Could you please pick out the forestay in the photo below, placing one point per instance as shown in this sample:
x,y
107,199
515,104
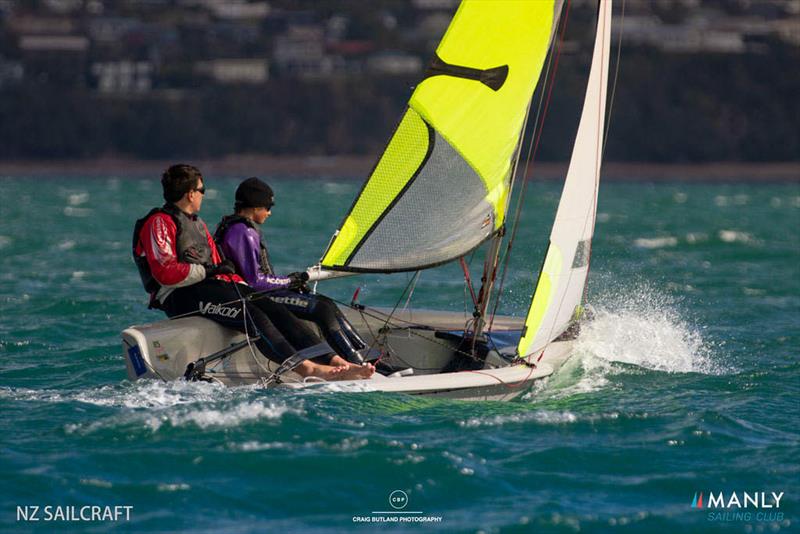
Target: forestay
x,y
559,290
441,185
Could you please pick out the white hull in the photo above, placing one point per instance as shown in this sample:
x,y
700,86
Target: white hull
x,y
162,350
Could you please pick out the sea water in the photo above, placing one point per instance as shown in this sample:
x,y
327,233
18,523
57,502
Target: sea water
x,y
686,384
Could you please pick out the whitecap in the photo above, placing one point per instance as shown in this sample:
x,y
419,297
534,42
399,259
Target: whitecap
x,y
680,197
96,482
337,187
545,417
76,199
255,446
4,241
67,244
174,487
224,417
71,211
753,292
732,236
656,242
693,238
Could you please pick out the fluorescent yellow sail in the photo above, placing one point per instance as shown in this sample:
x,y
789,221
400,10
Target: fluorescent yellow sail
x,y
441,185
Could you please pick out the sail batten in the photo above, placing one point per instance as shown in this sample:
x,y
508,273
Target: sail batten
x,y
441,186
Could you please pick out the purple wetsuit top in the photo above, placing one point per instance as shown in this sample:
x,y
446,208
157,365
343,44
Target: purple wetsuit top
x,y
242,245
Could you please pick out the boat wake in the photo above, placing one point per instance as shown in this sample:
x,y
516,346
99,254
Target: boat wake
x,y
151,405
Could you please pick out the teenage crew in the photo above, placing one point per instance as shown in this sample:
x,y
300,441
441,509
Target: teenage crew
x,y
239,237
183,272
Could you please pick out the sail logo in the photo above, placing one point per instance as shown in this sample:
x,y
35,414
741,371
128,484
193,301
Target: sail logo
x,y
218,309
761,506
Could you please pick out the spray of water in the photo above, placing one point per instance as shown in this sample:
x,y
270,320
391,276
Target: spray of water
x,y
644,327
635,330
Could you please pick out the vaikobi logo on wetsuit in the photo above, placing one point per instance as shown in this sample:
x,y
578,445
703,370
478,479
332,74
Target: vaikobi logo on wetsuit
x,y
210,308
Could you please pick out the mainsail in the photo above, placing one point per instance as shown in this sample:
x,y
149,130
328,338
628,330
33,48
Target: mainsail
x,y
559,290
441,185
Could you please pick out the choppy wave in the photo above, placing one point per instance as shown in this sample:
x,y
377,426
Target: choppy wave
x,y
656,242
694,238
733,236
546,417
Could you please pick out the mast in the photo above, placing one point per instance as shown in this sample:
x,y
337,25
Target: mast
x,y
491,263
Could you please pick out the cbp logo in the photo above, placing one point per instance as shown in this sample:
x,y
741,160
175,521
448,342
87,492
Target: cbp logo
x,y
398,499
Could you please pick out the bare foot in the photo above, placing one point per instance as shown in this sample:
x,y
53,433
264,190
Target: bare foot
x,y
351,372
343,372
338,361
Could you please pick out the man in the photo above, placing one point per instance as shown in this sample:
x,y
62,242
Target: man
x,y
182,270
240,240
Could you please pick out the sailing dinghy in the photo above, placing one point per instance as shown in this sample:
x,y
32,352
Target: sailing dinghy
x,y
440,190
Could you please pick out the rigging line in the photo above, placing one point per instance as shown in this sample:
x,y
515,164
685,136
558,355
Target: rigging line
x,y
533,148
375,341
466,284
413,287
391,314
468,281
246,333
600,150
616,75
511,182
597,162
375,314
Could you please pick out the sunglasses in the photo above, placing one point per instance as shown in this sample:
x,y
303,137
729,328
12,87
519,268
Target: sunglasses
x,y
201,190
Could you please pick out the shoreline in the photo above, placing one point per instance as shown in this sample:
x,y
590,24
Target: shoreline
x,y
358,167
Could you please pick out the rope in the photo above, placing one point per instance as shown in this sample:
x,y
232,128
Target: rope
x,y
468,281
616,75
413,287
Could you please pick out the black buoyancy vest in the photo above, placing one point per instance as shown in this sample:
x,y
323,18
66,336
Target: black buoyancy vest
x,y
228,221
191,243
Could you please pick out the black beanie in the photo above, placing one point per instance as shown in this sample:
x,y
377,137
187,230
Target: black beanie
x,y
253,193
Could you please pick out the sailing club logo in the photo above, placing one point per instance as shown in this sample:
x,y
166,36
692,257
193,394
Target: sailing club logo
x,y
760,506
218,309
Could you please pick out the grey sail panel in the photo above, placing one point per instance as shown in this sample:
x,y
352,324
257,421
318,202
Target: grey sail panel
x,y
442,214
